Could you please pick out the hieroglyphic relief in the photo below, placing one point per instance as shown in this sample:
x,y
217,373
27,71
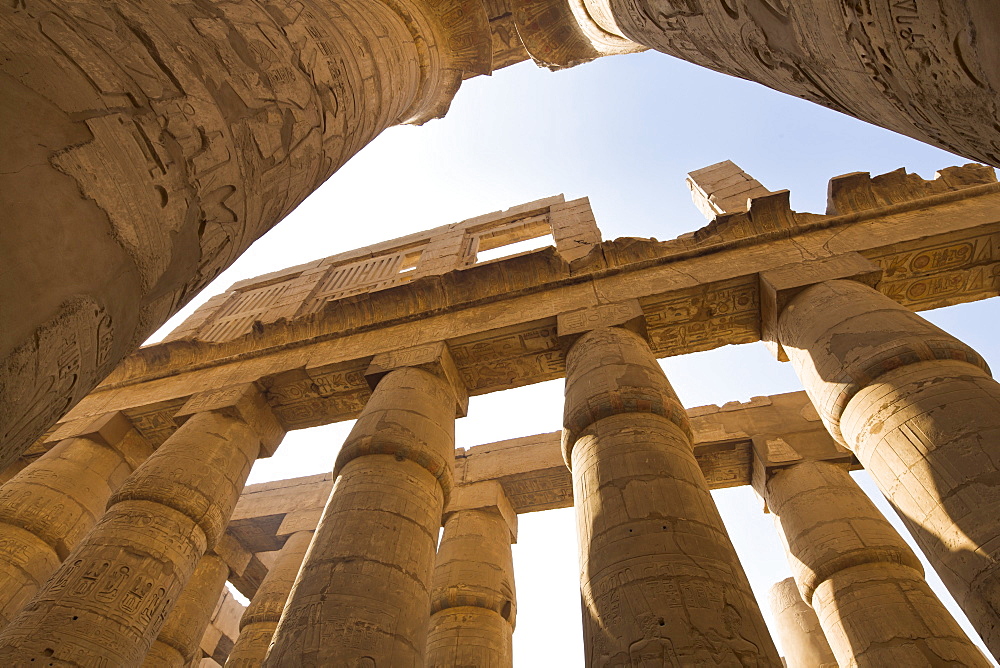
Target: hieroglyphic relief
x,y
309,398
961,268
539,490
512,357
703,318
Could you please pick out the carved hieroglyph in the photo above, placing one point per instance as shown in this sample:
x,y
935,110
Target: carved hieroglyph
x,y
928,70
659,579
797,628
155,141
921,412
362,597
108,601
865,584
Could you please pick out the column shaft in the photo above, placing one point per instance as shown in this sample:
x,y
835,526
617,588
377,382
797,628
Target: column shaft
x,y
660,581
863,581
157,139
260,619
472,601
798,629
362,597
180,638
868,60
47,508
922,414
111,596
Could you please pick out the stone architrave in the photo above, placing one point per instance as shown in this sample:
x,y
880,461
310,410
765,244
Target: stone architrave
x,y
922,414
47,508
660,581
180,638
798,628
108,601
362,596
865,584
157,140
473,605
260,619
926,70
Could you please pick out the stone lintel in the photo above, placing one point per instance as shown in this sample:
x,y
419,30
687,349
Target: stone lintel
x,y
433,357
244,401
484,495
234,553
780,285
626,314
109,428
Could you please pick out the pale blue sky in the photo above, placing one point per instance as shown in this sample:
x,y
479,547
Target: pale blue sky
x,y
624,131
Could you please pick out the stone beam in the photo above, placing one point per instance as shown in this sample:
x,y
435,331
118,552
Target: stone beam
x,y
534,476
934,242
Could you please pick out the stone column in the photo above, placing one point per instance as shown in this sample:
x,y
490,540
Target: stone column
x,y
925,70
260,619
857,573
107,602
362,597
473,606
180,637
51,504
798,629
660,581
149,143
921,413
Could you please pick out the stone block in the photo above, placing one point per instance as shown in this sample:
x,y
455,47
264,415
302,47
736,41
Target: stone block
x,y
432,357
244,401
778,286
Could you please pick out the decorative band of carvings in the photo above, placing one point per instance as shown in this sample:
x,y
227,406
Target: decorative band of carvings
x,y
415,452
496,604
932,351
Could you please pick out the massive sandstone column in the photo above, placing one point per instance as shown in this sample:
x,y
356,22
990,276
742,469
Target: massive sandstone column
x,y
660,581
179,639
47,508
473,605
922,414
107,602
865,584
147,144
798,629
362,596
260,619
928,70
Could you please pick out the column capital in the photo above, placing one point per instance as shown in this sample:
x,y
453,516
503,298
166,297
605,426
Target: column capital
x,y
434,358
779,286
485,495
773,452
571,325
243,401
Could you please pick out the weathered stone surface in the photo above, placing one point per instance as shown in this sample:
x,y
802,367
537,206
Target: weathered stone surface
x,y
857,573
798,628
166,137
223,629
922,414
110,598
261,617
363,594
660,582
925,70
723,188
936,243
47,508
179,641
473,606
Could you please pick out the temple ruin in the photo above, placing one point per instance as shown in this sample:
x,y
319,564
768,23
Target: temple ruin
x,y
122,523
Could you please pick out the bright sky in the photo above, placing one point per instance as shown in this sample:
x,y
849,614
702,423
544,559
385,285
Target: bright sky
x,y
623,131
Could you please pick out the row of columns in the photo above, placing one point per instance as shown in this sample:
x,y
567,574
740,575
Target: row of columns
x,y
660,581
